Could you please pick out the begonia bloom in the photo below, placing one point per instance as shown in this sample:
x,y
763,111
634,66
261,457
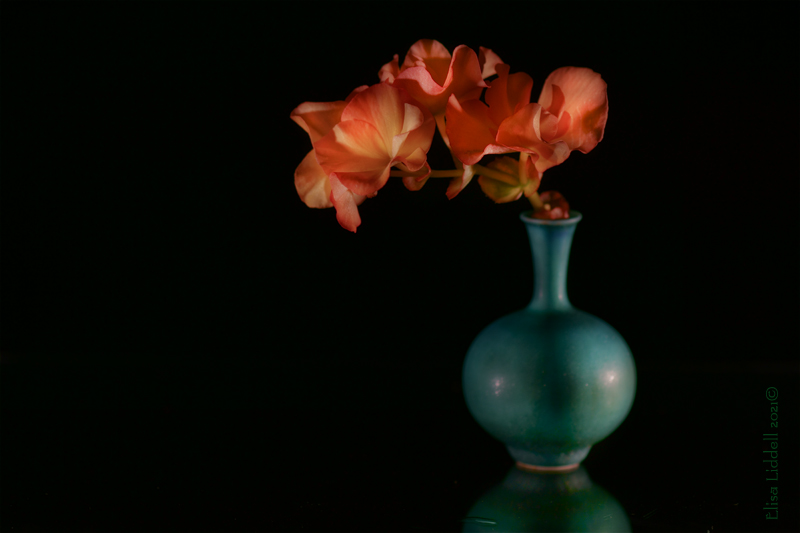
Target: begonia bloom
x,y
570,115
431,74
380,127
576,105
311,181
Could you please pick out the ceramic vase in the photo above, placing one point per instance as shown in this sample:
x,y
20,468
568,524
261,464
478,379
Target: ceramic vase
x,y
549,380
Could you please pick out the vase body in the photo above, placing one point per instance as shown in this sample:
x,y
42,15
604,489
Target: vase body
x,y
549,380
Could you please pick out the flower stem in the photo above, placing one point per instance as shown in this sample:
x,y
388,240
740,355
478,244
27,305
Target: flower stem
x,y
535,201
523,168
455,173
493,174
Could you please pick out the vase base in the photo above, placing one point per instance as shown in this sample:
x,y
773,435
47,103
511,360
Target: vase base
x,y
535,468
558,460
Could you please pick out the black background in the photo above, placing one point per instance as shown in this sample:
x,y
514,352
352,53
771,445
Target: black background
x,y
187,347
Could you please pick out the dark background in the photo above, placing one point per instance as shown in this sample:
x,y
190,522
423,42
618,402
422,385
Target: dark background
x,y
185,346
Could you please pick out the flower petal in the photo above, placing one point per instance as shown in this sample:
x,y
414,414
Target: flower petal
x,y
508,93
415,183
521,131
390,70
355,151
488,60
380,105
411,145
432,55
584,97
471,131
346,204
354,92
463,79
312,183
318,118
414,161
352,146
457,185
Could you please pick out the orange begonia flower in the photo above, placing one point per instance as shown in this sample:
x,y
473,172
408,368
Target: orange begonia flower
x,y
356,142
317,119
576,105
571,115
430,74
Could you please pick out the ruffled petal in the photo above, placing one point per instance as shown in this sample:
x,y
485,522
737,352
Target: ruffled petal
x,y
355,150
521,132
354,92
352,146
422,78
470,131
390,70
488,60
380,105
318,118
312,183
464,79
508,93
415,183
366,183
414,161
346,204
411,145
432,55
457,185
582,94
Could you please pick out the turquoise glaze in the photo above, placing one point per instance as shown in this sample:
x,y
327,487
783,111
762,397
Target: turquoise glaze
x,y
549,381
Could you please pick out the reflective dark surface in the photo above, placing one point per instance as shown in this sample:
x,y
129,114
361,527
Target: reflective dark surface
x,y
217,448
184,346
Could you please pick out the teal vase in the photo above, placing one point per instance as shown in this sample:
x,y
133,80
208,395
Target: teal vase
x,y
549,380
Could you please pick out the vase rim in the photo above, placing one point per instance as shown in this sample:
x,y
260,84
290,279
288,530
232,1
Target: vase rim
x,y
574,218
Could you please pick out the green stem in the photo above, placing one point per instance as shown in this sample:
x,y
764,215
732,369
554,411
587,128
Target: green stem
x,y
523,168
535,201
494,174
434,173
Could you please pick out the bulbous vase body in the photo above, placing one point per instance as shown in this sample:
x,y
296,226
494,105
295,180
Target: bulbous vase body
x,y
549,381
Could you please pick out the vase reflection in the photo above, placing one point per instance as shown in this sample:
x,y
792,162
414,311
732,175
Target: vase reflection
x,y
539,501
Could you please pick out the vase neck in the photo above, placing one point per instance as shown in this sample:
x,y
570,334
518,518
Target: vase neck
x,y
550,243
